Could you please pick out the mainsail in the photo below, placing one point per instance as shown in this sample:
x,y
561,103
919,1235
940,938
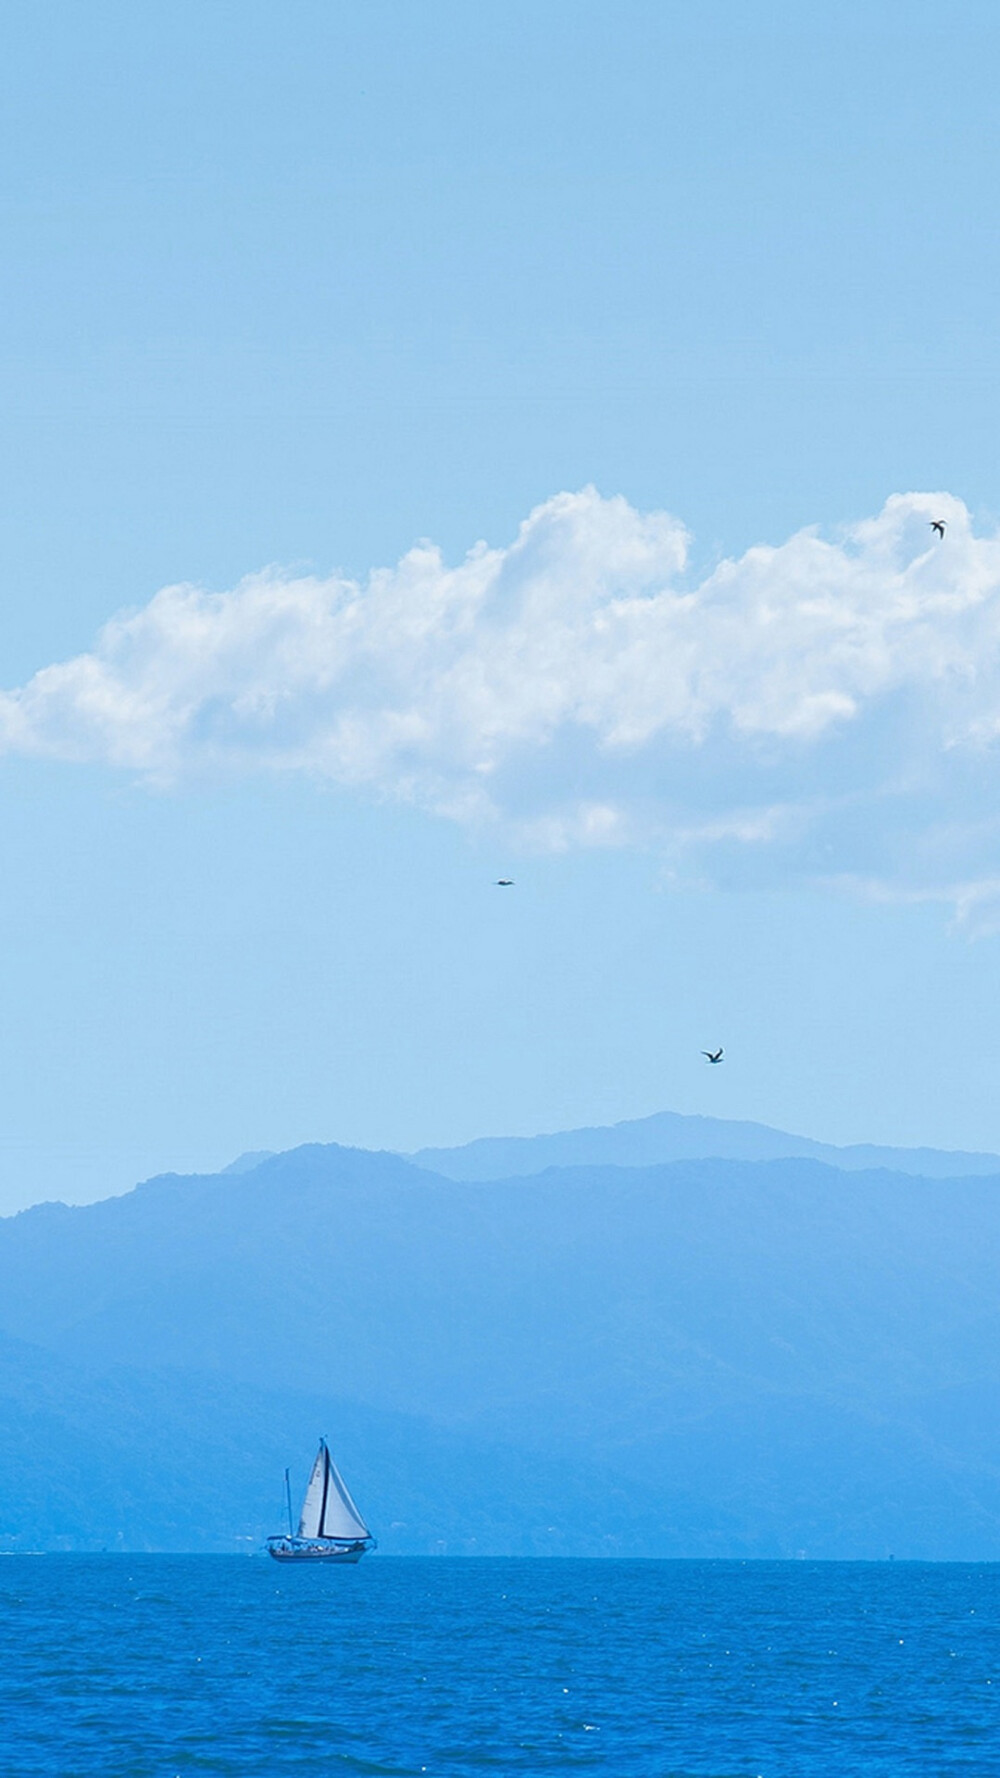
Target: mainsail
x,y
328,1510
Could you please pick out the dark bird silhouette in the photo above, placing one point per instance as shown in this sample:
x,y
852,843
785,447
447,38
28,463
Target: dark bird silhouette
x,y
504,883
713,1055
938,525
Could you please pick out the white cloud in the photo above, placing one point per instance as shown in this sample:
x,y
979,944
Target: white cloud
x,y
828,706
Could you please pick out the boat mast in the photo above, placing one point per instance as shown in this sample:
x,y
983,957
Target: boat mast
x,y
326,1487
288,1503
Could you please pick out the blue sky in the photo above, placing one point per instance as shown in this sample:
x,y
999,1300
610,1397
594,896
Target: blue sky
x,y
290,291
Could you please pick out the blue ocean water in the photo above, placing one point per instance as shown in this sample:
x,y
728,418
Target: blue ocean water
x,y
156,1666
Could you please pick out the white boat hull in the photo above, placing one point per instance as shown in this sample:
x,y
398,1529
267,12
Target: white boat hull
x,y
301,1549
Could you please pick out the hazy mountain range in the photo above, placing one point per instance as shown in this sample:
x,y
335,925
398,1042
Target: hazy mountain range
x,y
713,1355
669,1136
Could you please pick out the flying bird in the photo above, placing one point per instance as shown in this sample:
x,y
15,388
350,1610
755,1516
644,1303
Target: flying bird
x,y
504,883
938,525
713,1055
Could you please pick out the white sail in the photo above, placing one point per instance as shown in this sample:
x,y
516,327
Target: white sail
x,y
328,1510
342,1518
312,1505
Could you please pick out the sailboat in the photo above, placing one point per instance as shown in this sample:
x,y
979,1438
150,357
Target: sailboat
x,y
331,1528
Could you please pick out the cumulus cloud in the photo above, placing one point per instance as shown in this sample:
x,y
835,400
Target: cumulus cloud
x,y
827,706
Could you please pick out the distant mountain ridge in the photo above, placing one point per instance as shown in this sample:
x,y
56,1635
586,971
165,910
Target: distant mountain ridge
x,y
671,1136
709,1357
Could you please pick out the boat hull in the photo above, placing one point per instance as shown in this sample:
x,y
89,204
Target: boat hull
x,y
294,1549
